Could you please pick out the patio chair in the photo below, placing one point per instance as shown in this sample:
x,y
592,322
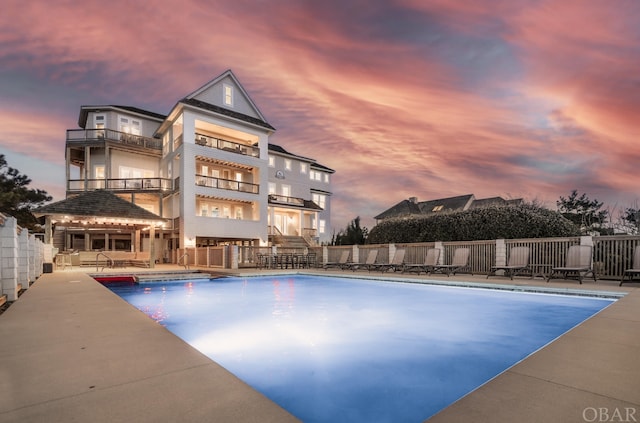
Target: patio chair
x,y
518,262
342,262
578,262
368,263
396,263
430,261
635,267
460,262
307,261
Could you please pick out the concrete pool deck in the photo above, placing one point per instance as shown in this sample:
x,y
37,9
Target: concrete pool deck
x,y
72,351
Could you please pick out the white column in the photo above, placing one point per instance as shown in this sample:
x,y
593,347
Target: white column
x,y
392,252
33,259
439,246
300,223
9,258
23,259
152,246
501,254
233,256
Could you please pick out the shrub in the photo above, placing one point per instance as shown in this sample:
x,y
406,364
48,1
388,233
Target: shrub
x,y
494,222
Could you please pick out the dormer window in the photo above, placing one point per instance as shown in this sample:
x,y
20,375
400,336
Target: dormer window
x,y
228,95
437,208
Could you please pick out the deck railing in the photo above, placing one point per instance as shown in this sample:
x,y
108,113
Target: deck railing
x,y
611,254
283,199
121,184
228,184
226,145
85,135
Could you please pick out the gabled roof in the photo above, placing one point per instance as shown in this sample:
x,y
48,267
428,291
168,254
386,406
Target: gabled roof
x,y
99,203
403,208
201,93
230,113
494,201
84,112
461,202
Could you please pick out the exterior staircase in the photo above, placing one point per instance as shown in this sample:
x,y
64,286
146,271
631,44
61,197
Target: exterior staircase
x,y
286,241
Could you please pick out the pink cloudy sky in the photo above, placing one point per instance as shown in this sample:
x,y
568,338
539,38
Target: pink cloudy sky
x,y
424,98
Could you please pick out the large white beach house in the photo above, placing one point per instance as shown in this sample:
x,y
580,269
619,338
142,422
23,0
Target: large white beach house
x,y
207,168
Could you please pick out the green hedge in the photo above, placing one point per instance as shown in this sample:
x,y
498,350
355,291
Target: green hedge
x,y
508,222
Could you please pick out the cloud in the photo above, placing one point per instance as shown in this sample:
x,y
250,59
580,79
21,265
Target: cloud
x,y
403,98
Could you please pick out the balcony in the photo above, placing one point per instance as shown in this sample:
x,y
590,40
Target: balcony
x,y
283,199
80,136
228,184
126,184
225,145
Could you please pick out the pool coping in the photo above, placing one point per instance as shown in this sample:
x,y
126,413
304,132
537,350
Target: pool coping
x,y
591,369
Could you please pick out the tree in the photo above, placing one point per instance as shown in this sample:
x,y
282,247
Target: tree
x,y
630,220
16,199
584,212
352,235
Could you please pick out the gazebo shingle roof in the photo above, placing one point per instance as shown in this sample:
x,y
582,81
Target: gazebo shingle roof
x,y
99,203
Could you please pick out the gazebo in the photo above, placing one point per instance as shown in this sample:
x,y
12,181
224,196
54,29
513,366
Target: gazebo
x,y
100,210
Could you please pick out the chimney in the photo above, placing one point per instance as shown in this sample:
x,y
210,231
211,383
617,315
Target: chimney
x,y
413,200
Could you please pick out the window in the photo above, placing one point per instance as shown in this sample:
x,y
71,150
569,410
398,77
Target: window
x,y
204,208
100,124
303,168
129,126
165,144
321,226
287,164
326,177
99,121
98,172
239,213
286,190
437,208
272,187
177,129
319,199
228,95
272,161
315,175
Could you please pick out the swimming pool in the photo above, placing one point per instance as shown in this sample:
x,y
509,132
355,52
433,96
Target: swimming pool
x,y
330,349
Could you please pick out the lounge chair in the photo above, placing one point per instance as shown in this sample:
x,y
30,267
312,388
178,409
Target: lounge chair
x,y
430,261
518,262
578,262
460,262
635,267
367,264
396,264
342,262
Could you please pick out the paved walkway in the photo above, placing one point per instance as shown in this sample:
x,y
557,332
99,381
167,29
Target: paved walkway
x,y
72,351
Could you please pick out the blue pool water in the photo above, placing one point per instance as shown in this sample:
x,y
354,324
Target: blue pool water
x,y
343,350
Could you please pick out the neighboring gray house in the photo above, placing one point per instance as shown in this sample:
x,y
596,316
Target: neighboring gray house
x,y
412,206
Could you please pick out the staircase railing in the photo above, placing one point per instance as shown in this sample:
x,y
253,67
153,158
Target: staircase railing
x,y
186,262
109,260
